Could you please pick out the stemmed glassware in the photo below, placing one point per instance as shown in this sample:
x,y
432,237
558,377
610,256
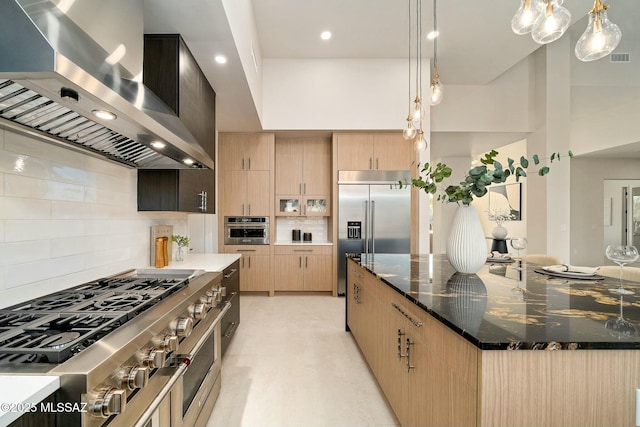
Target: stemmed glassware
x,y
622,255
519,243
620,327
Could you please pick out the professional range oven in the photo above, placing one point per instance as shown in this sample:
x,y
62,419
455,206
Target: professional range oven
x,y
139,349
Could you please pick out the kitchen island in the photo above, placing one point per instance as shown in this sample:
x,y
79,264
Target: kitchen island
x,y
500,348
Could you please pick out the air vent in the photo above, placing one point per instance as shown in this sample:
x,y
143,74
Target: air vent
x,y
620,57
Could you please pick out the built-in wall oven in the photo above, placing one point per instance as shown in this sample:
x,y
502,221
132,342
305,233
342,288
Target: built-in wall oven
x,y
246,230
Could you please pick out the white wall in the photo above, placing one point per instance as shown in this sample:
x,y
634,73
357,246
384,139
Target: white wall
x,y
335,94
504,105
66,218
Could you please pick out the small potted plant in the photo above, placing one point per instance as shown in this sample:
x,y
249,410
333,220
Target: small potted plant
x,y
182,242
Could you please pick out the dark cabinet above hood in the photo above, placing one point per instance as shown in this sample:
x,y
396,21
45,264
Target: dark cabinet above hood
x,y
54,78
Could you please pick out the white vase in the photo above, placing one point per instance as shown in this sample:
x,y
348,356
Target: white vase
x,y
499,232
466,246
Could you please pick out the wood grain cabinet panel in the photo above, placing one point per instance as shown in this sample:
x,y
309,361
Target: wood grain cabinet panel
x,y
303,268
303,177
378,151
245,151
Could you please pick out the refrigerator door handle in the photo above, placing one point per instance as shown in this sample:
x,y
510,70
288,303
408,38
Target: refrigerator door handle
x,y
366,227
373,223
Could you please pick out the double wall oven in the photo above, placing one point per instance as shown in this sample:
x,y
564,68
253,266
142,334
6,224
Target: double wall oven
x,y
139,349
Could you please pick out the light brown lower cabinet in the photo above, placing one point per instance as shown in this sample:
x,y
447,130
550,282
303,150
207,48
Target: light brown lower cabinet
x,y
303,268
255,267
432,376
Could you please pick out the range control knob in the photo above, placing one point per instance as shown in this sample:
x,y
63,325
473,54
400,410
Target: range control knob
x,y
183,327
135,376
154,358
217,293
198,310
109,402
207,299
170,343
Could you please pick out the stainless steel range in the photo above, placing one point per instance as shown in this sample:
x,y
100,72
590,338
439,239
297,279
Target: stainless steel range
x,y
141,348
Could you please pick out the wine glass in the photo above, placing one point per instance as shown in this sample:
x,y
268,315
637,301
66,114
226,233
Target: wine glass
x,y
622,255
620,327
519,243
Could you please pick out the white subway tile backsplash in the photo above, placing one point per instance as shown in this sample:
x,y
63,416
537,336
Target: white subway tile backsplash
x,y
72,175
19,208
316,226
23,252
22,144
22,274
67,218
21,164
22,186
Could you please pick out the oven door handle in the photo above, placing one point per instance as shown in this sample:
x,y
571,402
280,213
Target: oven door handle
x,y
148,413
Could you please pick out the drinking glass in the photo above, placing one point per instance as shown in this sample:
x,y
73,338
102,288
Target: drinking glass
x,y
622,255
620,327
519,243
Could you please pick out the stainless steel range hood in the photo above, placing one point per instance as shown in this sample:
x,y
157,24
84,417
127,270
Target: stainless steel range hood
x,y
47,61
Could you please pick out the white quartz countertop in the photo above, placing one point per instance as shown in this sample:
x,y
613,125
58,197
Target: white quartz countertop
x,y
206,262
23,393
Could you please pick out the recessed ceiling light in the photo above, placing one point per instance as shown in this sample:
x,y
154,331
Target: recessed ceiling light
x,y
326,35
433,34
220,59
158,144
104,114
188,161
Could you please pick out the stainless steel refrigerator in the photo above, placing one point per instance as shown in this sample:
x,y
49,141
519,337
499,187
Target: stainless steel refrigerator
x,y
374,215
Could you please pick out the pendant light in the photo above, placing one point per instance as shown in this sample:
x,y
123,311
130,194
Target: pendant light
x,y
601,36
552,22
437,89
417,110
525,16
410,131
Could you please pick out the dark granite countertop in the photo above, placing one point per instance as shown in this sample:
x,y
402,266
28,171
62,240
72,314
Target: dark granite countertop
x,y
501,308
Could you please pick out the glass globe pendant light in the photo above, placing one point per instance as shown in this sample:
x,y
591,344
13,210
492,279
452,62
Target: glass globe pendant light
x,y
409,132
525,16
420,143
601,36
437,89
552,22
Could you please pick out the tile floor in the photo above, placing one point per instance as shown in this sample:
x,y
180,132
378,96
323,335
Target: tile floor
x,y
291,364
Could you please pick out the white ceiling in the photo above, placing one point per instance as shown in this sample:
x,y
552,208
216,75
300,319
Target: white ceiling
x,y
476,43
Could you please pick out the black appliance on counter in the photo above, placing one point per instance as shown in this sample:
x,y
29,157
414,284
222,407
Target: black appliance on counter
x,y
142,348
231,295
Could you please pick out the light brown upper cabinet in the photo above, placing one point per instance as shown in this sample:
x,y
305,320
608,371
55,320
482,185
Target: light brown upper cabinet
x,y
245,188
245,151
303,177
378,151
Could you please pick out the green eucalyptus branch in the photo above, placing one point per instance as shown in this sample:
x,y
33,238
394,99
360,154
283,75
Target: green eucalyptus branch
x,y
477,179
180,240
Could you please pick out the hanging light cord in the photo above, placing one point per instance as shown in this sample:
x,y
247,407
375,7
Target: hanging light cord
x,y
409,57
435,39
418,31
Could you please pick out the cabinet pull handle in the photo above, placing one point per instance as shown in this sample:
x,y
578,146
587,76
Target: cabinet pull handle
x,y
203,201
400,335
300,188
243,163
306,262
249,213
245,250
405,314
409,365
249,260
233,270
377,163
299,262
249,168
243,209
303,250
230,329
370,162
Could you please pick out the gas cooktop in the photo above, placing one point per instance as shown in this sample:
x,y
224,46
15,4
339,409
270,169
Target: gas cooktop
x,y
55,327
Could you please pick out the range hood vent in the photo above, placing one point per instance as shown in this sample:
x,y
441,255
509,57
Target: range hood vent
x,y
54,77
